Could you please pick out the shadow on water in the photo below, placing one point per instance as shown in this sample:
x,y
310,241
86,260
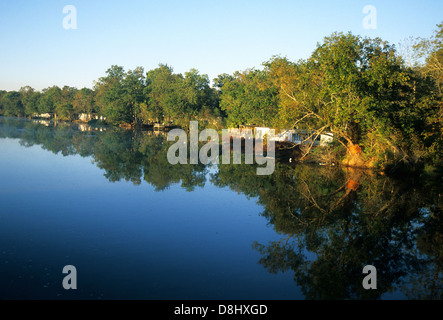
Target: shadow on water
x,y
332,221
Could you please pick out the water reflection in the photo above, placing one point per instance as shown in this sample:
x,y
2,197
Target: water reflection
x,y
122,154
348,219
332,221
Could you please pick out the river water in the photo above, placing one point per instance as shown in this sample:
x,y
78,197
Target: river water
x,y
107,202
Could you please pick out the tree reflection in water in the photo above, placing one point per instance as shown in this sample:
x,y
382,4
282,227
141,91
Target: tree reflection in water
x,y
332,221
335,221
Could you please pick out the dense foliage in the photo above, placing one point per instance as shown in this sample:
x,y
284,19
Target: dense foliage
x,y
381,106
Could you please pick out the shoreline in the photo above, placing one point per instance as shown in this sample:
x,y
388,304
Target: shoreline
x,y
285,152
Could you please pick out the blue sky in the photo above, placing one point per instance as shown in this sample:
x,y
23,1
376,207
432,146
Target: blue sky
x,y
212,36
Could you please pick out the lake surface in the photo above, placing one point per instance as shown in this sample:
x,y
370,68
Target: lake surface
x,y
108,202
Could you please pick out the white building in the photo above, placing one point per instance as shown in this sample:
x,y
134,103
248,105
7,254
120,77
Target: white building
x,y
296,136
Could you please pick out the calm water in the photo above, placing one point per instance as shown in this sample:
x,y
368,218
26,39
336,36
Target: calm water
x,y
135,227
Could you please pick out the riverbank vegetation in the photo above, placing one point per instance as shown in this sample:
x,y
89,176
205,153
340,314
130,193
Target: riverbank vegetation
x,y
383,106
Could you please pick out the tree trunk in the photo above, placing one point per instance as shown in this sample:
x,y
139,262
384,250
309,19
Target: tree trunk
x,y
354,156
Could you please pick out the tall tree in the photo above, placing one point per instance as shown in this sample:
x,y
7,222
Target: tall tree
x,y
64,107
356,88
83,101
12,105
110,93
2,93
134,84
30,100
160,90
249,99
431,50
50,98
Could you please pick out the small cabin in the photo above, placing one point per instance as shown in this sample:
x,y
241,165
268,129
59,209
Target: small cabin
x,y
44,115
297,136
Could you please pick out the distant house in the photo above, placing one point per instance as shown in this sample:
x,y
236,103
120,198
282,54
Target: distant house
x,y
296,136
44,115
326,139
86,117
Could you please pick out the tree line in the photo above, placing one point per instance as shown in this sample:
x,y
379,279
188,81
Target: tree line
x,y
381,105
131,97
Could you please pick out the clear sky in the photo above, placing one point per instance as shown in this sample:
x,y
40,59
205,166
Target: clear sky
x,y
212,36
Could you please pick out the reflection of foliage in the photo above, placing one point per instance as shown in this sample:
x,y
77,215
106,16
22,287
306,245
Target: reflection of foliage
x,y
116,154
429,283
160,173
346,220
128,155
333,222
279,256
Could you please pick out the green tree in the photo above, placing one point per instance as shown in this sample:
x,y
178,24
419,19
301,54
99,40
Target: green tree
x,y
64,107
430,50
12,105
161,93
203,99
84,101
109,91
358,89
175,99
30,100
2,93
134,84
119,94
249,98
49,100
